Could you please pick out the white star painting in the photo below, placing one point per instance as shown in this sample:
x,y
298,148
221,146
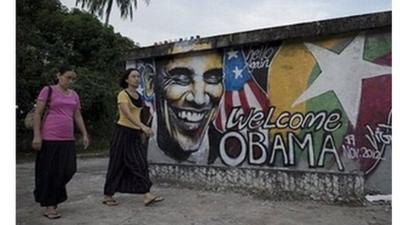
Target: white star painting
x,y
237,72
343,74
232,54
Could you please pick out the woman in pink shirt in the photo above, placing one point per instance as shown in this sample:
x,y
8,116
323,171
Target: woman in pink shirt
x,y
55,142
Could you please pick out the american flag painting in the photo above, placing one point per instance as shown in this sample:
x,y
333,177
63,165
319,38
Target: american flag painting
x,y
241,90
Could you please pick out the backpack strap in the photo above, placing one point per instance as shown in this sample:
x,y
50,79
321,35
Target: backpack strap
x,y
49,91
136,102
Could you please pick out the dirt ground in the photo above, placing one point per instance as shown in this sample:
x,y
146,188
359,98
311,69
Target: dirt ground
x,y
181,206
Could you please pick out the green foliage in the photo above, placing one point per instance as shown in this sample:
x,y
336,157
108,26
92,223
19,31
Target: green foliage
x,y
48,35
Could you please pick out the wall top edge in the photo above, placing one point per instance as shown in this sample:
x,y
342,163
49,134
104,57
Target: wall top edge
x,y
287,32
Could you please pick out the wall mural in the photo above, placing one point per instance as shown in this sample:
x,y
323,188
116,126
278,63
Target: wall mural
x,y
322,104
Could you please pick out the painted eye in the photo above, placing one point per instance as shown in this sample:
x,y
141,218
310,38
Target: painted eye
x,y
182,79
180,76
213,76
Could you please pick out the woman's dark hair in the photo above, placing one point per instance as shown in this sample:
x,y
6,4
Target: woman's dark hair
x,y
63,68
125,75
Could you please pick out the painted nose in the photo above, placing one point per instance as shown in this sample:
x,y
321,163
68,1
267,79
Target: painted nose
x,y
198,94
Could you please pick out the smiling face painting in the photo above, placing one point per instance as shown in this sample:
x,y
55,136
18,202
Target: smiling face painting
x,y
191,90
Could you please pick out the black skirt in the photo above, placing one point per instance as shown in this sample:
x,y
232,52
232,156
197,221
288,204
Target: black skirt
x,y
54,168
128,170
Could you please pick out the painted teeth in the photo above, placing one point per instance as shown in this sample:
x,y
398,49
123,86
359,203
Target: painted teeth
x,y
191,116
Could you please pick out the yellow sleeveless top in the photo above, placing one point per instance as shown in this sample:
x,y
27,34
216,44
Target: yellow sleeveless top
x,y
123,97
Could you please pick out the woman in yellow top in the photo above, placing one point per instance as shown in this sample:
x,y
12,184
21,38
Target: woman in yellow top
x,y
127,168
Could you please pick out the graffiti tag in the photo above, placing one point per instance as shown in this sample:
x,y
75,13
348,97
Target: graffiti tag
x,y
260,58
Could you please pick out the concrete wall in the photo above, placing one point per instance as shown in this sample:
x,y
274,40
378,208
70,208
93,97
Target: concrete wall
x,y
266,182
312,98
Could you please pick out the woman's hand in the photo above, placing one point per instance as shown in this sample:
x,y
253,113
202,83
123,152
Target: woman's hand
x,y
85,141
37,143
148,131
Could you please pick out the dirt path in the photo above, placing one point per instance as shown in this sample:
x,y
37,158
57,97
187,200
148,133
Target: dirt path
x,y
182,206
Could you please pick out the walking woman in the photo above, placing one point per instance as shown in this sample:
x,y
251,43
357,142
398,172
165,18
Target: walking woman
x,y
54,140
128,169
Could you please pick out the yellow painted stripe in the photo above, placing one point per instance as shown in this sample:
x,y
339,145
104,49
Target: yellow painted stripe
x,y
332,41
288,77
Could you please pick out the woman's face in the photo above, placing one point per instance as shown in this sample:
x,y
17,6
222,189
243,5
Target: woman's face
x,y
133,79
66,79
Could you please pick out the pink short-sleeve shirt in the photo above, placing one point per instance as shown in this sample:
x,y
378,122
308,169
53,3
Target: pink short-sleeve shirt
x,y
59,122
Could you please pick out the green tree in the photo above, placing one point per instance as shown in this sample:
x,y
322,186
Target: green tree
x,y
98,6
49,35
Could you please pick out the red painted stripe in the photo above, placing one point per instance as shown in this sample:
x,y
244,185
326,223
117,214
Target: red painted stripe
x,y
218,122
260,96
375,104
244,102
228,103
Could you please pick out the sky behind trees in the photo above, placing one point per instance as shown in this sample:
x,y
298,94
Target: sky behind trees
x,y
173,19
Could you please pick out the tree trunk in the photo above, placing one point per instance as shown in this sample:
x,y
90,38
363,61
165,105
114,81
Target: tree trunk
x,y
107,19
108,12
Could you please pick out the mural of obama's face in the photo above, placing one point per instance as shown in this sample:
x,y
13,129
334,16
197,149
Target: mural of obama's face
x,y
191,90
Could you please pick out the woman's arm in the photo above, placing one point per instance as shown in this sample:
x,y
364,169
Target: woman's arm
x,y
37,120
81,126
123,106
